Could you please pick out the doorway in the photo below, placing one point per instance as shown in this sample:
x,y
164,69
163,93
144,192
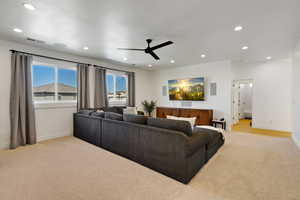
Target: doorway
x,y
242,105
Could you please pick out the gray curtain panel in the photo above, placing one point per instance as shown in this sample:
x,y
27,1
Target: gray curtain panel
x,y
22,116
131,89
83,92
100,88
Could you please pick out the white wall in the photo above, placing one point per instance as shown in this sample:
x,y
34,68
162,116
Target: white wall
x,y
272,92
296,94
52,122
272,89
219,72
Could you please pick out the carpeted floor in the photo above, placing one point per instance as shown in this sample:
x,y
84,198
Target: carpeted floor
x,y
247,167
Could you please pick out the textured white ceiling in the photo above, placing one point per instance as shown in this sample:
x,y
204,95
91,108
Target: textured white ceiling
x,y
271,28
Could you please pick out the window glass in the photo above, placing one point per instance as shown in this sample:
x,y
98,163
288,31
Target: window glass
x,y
121,88
67,85
43,79
116,89
52,84
110,86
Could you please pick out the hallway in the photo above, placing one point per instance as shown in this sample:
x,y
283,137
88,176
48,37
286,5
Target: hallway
x,y
244,125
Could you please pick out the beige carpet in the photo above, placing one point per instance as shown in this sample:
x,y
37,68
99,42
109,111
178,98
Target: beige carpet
x,y
248,167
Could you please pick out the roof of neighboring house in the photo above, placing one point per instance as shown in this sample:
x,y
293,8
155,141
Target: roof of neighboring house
x,y
51,88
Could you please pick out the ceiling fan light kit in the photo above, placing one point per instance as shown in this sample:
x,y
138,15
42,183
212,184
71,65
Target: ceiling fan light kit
x,y
150,50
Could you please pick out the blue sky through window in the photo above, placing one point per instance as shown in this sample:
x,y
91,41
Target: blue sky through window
x,y
110,83
43,75
120,83
67,77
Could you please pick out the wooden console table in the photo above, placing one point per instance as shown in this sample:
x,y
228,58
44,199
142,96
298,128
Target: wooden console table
x,y
204,116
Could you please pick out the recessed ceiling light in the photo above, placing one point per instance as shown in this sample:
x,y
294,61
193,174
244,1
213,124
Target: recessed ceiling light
x,y
85,48
203,56
124,58
18,30
28,6
245,48
269,58
238,28
172,61
149,65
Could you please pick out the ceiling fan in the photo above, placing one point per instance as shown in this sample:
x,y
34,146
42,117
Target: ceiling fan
x,y
150,50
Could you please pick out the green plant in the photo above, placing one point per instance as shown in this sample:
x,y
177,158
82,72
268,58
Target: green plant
x,y
149,106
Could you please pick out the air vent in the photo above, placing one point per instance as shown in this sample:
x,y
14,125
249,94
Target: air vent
x,y
35,41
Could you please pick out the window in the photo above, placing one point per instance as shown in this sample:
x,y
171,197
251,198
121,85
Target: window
x,y
117,90
54,83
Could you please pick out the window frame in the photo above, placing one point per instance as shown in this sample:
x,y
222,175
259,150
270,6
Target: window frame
x,y
56,103
116,102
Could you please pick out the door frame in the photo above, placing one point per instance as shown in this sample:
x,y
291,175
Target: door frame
x,y
234,82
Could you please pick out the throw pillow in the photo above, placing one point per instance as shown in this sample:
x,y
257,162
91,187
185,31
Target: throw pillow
x,y
113,116
192,120
98,114
130,110
85,111
114,109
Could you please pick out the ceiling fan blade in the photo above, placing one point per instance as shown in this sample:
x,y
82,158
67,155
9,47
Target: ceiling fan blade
x,y
161,45
154,55
131,49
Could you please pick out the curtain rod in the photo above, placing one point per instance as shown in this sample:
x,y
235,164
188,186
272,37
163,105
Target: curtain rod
x,y
70,61
119,70
60,59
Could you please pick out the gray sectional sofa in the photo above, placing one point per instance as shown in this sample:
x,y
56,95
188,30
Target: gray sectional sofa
x,y
170,147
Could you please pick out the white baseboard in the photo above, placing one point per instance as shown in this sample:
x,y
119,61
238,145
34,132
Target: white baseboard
x,y
52,136
4,141
296,140
4,145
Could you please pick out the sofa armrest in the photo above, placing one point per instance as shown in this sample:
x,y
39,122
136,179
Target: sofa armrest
x,y
194,142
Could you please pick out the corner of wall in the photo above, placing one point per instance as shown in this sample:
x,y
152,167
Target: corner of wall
x,y
296,140
4,142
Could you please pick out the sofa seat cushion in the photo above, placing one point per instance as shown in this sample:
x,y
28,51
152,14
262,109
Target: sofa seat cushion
x,y
137,119
177,125
113,116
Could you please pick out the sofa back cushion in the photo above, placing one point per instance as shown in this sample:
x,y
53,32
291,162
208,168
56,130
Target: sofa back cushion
x,y
137,119
113,116
177,125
